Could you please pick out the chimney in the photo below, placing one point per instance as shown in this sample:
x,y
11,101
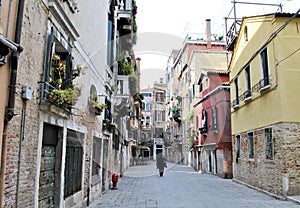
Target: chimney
x,y
208,33
161,80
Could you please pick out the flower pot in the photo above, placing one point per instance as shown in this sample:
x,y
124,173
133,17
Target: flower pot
x,y
55,62
97,111
76,72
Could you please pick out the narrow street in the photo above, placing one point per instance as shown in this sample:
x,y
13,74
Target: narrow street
x,y
182,186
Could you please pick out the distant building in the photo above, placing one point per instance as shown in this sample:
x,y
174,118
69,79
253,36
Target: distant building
x,y
153,115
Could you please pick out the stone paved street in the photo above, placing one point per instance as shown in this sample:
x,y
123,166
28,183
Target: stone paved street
x,y
183,187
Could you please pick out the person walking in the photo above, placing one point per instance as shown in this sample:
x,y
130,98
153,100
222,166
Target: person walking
x,y
161,164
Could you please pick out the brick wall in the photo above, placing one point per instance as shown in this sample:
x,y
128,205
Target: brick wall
x,y
279,176
29,71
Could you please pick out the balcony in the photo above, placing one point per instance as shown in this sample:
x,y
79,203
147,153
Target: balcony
x,y
231,34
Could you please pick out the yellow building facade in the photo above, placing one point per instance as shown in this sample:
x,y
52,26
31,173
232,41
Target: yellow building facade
x,y
264,76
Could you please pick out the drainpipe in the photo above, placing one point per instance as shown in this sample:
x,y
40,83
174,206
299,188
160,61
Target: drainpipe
x,y
14,65
11,95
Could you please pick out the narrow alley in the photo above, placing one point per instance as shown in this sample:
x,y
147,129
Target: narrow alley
x,y
182,186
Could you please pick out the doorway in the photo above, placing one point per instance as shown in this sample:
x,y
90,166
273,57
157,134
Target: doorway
x,y
49,189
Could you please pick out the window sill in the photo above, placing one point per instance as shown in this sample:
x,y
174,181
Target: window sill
x,y
236,106
264,88
248,99
270,160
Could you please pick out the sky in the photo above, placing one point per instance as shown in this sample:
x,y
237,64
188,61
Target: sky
x,y
163,24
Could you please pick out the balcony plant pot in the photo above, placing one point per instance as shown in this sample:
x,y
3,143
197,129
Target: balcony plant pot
x,y
97,111
96,107
77,70
113,125
55,61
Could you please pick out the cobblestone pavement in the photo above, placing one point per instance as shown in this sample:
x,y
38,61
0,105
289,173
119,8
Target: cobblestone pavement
x,y
182,186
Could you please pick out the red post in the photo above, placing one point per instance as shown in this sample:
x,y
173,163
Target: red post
x,y
115,179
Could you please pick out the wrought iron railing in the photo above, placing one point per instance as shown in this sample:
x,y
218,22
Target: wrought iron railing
x,y
260,86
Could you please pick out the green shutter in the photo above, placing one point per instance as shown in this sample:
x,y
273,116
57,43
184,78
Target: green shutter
x,y
47,63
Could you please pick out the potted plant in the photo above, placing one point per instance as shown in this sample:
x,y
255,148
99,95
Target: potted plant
x,y
55,60
127,68
98,108
59,71
64,98
113,125
77,70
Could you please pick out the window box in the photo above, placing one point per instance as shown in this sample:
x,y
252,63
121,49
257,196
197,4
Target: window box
x,y
64,98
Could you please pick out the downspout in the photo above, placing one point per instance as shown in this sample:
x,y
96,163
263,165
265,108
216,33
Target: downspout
x,y
14,65
9,113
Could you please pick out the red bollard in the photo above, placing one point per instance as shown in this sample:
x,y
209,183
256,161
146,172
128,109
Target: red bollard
x,y
115,178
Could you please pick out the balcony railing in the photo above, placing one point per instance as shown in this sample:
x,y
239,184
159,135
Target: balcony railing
x,y
261,86
232,32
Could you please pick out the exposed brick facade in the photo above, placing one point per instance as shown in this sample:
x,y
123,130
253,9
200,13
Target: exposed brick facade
x,y
279,176
38,113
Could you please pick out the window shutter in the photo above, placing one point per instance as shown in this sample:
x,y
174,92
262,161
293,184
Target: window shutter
x,y
47,63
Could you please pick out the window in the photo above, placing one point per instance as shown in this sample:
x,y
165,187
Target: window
x,y
197,122
159,97
143,106
236,92
203,129
193,91
269,144
145,94
246,33
247,82
238,146
148,106
250,145
148,121
201,87
96,159
73,165
206,83
264,69
159,115
143,121
214,118
58,71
